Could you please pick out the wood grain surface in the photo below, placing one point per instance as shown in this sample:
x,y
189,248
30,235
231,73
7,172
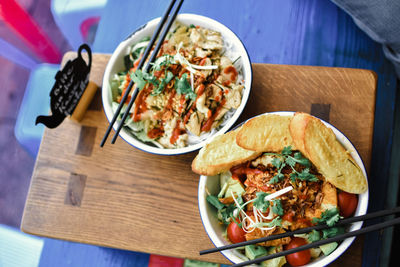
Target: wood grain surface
x,y
118,196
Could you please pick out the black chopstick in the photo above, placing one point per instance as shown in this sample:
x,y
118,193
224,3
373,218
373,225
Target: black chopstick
x,y
305,230
361,231
140,65
152,57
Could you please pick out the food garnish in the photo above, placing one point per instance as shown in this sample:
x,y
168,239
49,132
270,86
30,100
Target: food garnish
x,y
189,93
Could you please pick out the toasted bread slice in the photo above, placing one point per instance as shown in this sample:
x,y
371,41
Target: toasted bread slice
x,y
221,154
268,132
296,128
320,145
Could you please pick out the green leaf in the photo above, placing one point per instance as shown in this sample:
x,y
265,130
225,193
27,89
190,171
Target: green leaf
x,y
330,217
192,26
213,200
293,177
302,160
227,213
314,236
260,203
138,78
277,178
331,232
305,175
183,87
277,207
165,60
287,151
275,222
277,162
158,90
290,161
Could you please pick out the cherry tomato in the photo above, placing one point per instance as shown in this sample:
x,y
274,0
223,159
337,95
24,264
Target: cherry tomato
x,y
298,258
235,233
347,203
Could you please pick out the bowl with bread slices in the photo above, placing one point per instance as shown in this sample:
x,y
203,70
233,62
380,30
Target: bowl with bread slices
x,y
280,172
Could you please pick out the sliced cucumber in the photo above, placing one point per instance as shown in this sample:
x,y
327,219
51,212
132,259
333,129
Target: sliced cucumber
x,y
328,248
254,251
275,262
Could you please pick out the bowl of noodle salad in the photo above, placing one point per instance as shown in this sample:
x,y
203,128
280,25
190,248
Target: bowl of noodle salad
x,y
195,89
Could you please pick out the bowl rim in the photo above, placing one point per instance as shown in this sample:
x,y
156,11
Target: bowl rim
x,y
321,260
121,48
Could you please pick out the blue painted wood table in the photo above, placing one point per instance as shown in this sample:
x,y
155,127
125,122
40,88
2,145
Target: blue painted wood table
x,y
309,32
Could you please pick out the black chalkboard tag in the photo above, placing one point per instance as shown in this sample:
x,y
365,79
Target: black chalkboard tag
x,y
70,84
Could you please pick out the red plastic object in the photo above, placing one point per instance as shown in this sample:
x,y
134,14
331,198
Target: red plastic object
x,y
26,28
87,24
157,261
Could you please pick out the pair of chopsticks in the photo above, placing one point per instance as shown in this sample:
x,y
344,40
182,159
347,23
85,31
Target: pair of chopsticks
x,y
145,55
361,231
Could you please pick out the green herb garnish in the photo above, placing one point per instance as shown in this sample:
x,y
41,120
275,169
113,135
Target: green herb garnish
x,y
314,236
330,217
164,61
168,77
331,232
275,222
260,203
183,87
285,159
277,207
142,78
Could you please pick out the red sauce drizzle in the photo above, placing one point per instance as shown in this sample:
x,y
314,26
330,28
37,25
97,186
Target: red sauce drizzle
x,y
176,133
181,102
207,125
234,74
155,132
140,102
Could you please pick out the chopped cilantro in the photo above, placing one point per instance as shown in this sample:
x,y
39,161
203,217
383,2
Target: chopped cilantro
x,y
138,78
298,157
305,175
142,78
277,178
260,203
227,213
287,151
168,77
285,159
277,162
277,207
330,217
293,177
290,161
275,222
331,232
165,60
183,87
314,236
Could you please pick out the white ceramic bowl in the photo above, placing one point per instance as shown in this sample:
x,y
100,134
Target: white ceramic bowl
x,y
214,229
116,64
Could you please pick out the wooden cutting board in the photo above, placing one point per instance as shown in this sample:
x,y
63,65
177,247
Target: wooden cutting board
x,y
121,197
